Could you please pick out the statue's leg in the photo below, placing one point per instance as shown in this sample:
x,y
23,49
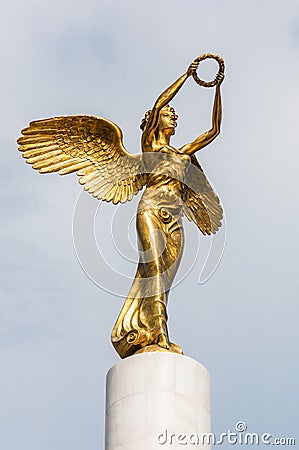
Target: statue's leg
x,y
142,321
152,243
161,257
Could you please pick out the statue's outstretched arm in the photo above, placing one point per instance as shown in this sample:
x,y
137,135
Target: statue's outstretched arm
x,y
207,137
162,101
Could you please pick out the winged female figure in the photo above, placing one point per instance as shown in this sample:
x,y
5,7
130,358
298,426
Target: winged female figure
x,y
174,185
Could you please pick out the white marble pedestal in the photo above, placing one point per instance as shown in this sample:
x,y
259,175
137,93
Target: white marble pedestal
x,y
156,401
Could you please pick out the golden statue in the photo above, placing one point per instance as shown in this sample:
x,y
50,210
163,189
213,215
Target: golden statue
x,y
174,184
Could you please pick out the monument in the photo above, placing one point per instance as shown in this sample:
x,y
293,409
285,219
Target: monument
x,y
156,394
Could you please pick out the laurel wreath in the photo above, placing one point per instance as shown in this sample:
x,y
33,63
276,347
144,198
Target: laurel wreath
x,y
219,74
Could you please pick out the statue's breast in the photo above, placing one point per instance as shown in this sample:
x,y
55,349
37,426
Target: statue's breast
x,y
166,163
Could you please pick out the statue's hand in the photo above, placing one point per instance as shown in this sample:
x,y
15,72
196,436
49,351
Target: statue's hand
x,y
219,78
192,68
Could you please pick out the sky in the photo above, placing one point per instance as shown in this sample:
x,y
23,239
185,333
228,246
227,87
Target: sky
x,y
113,59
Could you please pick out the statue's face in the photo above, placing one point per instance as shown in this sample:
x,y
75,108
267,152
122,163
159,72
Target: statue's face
x,y
167,119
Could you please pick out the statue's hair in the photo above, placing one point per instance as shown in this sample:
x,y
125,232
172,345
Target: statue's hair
x,y
148,113
145,119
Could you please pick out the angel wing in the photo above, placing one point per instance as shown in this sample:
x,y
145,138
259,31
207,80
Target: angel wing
x,y
201,204
90,146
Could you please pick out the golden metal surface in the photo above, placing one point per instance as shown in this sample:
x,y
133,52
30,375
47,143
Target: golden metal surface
x,y
174,184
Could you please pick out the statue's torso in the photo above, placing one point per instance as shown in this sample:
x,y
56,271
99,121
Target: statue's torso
x,y
166,172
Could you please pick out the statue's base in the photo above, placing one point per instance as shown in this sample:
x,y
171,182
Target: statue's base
x,y
157,400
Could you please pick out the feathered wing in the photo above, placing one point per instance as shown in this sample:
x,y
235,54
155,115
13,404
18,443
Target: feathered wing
x,y
201,204
90,146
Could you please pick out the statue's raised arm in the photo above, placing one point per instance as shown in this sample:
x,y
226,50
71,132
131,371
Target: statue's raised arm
x,y
148,135
207,137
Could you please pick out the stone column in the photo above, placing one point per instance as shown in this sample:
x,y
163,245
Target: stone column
x,y
155,401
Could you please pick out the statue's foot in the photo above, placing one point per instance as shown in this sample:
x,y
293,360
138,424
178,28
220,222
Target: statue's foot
x,y
175,348
163,341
